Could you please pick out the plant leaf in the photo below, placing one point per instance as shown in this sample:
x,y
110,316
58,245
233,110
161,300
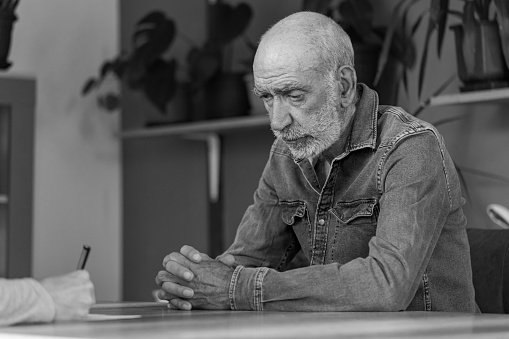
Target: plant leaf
x,y
447,120
226,22
463,181
153,35
106,68
487,175
441,21
439,90
402,45
502,7
203,63
160,84
468,43
424,58
358,15
88,86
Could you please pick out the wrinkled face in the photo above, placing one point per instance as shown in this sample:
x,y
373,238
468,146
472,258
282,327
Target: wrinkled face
x,y
302,102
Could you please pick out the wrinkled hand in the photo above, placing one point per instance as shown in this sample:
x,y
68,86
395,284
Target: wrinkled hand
x,y
193,280
72,293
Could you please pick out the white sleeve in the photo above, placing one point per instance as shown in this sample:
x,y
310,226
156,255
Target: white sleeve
x,y
24,300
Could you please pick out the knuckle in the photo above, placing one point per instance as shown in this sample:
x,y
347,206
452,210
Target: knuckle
x,y
161,275
172,267
166,259
174,256
173,290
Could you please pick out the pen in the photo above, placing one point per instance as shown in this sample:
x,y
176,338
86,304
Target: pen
x,y
83,257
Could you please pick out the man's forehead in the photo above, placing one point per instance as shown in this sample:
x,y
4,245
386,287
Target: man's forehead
x,y
284,57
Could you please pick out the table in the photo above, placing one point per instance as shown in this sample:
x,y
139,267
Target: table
x,y
157,321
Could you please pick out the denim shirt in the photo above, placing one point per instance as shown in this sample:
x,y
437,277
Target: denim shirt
x,y
386,232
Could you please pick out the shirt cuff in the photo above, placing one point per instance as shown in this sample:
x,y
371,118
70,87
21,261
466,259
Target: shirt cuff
x,y
245,292
47,303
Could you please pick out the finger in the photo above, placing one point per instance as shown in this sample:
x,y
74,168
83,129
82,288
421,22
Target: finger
x,y
163,276
176,269
175,256
227,259
177,290
180,304
166,259
173,301
192,254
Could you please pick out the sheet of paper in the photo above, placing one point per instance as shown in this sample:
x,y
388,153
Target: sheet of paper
x,y
99,317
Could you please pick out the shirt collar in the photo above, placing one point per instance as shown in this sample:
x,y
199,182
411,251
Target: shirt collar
x,y
362,128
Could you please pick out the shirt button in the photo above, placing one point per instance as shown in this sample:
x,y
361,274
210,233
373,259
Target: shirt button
x,y
321,222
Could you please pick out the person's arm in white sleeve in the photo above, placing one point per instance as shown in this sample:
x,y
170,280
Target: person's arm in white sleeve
x,y
64,297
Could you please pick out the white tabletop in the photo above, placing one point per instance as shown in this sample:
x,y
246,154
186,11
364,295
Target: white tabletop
x,y
155,320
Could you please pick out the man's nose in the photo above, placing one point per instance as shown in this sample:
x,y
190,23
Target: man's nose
x,y
280,115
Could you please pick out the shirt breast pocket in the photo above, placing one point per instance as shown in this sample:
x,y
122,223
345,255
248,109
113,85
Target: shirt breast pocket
x,y
294,214
356,225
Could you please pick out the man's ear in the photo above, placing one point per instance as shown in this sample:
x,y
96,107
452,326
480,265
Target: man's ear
x,y
347,81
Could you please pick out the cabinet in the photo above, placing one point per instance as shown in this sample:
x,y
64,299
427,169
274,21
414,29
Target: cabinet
x,y
17,99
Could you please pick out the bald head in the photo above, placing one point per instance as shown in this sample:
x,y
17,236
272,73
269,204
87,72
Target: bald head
x,y
314,36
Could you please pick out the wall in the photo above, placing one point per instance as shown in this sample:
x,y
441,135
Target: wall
x,y
77,174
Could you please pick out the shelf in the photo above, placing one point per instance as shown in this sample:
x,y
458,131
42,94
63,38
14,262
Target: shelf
x,y
262,120
3,199
206,126
490,95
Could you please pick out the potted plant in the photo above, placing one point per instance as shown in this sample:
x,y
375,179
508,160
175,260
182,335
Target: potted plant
x,y
7,19
475,35
479,47
144,68
224,91
383,54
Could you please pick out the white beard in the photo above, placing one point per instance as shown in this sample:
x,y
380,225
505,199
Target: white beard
x,y
308,141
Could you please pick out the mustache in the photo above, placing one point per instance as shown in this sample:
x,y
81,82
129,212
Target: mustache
x,y
291,132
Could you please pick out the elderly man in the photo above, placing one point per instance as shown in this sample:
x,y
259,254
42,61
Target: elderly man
x,y
367,193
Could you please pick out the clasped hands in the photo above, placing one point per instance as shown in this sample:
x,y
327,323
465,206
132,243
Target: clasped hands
x,y
192,279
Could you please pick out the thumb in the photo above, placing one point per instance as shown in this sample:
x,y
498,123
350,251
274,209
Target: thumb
x,y
227,259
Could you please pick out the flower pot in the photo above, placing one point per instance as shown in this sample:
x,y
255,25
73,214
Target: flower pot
x,y
226,95
6,23
178,110
480,60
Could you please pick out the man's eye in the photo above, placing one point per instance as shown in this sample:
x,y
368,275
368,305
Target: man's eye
x,y
296,97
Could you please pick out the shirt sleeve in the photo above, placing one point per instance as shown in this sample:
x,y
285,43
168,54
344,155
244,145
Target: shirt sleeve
x,y
24,300
414,206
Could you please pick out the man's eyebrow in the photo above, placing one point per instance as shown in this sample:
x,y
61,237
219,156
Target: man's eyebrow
x,y
282,90
259,91
288,88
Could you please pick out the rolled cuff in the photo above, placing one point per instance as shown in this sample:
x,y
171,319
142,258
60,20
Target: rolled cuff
x,y
246,291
